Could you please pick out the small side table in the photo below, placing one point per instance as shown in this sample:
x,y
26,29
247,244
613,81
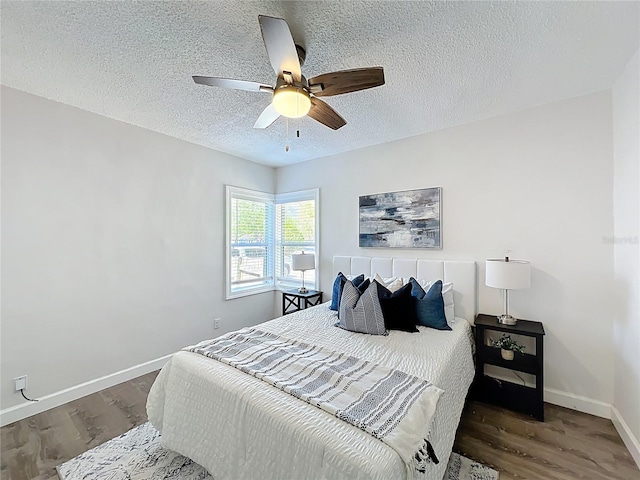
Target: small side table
x,y
293,301
521,398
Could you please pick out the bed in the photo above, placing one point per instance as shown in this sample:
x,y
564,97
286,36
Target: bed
x,y
237,426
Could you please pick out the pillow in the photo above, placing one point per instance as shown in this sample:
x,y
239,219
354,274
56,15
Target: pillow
x,y
417,289
397,308
447,296
429,306
363,286
361,312
338,284
392,284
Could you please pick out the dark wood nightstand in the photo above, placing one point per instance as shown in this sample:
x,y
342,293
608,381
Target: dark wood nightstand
x,y
292,300
521,398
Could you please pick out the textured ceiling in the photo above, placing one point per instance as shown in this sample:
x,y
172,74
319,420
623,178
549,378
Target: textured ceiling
x,y
446,63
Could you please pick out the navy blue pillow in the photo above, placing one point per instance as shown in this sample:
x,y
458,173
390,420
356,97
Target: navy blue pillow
x,y
397,308
361,286
429,306
338,285
416,290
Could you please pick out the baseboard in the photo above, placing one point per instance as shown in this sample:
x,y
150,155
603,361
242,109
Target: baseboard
x,y
557,397
577,402
629,439
26,409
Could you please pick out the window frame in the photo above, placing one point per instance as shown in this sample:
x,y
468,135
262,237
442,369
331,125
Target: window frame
x,y
256,196
291,197
272,242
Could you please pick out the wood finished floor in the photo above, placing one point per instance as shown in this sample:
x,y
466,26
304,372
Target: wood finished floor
x,y
33,447
568,445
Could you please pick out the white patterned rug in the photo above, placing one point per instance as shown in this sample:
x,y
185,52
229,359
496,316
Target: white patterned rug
x,y
138,455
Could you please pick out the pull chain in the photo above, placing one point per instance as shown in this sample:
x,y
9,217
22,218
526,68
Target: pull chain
x,y
286,147
298,114
286,120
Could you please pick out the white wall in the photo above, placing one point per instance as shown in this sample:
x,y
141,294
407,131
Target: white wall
x,y
112,245
113,235
538,182
626,333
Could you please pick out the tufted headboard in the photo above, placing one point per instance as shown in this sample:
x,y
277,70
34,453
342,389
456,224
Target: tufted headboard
x,y
462,273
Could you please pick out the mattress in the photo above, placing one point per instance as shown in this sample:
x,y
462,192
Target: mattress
x,y
238,427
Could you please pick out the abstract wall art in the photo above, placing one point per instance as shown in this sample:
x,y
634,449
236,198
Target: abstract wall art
x,y
408,219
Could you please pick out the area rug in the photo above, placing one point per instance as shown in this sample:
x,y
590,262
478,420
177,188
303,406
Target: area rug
x,y
138,455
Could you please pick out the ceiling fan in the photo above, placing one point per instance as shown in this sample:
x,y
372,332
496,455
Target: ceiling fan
x,y
293,95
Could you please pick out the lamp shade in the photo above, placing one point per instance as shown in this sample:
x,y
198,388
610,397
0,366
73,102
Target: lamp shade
x,y
303,261
510,275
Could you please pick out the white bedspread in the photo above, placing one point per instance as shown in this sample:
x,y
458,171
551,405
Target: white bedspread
x,y
237,427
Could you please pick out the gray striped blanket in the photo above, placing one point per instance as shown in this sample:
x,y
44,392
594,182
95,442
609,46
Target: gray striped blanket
x,y
391,405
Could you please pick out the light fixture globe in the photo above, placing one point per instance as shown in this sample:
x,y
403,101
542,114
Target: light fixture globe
x,y
291,101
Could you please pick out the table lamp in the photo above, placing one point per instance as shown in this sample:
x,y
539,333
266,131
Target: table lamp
x,y
508,275
302,262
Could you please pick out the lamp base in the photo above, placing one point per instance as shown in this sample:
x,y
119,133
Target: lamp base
x,y
507,320
303,290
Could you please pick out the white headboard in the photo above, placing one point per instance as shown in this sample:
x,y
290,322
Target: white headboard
x,y
462,273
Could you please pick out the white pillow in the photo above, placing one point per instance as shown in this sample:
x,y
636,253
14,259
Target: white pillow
x,y
447,296
449,309
392,283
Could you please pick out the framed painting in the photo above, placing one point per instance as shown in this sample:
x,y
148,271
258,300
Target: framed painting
x,y
408,219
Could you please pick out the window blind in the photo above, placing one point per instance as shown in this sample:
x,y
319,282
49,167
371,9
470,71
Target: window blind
x,y
250,242
263,232
296,231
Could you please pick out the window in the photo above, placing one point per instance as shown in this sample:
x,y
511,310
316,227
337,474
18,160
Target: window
x,y
296,231
249,242
263,230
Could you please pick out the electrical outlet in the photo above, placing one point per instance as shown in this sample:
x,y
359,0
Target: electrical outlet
x,y
20,383
216,323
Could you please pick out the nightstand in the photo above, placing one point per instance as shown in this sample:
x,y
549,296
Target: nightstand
x,y
292,300
520,398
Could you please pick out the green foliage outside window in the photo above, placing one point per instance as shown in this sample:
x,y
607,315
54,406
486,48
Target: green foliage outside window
x,y
248,221
299,222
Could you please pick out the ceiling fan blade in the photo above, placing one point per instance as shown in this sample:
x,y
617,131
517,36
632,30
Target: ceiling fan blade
x,y
267,117
280,46
232,83
345,81
326,115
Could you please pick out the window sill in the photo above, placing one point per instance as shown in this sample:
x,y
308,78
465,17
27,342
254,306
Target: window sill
x,y
250,291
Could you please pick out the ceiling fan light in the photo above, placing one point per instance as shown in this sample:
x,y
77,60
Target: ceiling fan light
x,y
291,101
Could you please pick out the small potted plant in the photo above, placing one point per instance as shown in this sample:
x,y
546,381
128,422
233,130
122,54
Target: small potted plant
x,y
508,346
